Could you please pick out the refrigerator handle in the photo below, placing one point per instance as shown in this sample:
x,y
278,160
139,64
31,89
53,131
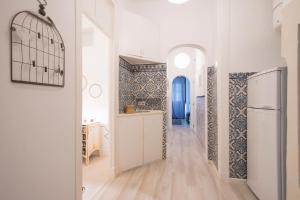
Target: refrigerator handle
x,y
263,108
268,107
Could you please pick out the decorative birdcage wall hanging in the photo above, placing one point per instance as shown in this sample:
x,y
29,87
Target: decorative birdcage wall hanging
x,y
37,49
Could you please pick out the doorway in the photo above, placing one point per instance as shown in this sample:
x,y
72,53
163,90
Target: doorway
x,y
96,108
187,61
181,108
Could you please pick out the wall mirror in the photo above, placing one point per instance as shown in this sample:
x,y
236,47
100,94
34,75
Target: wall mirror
x,y
95,90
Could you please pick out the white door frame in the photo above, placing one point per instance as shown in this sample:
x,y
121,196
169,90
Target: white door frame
x,y
78,97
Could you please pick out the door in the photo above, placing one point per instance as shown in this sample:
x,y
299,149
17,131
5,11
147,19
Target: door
x,y
130,34
150,39
153,131
129,142
263,143
264,90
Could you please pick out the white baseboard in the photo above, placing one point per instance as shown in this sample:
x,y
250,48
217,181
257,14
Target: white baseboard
x,y
236,180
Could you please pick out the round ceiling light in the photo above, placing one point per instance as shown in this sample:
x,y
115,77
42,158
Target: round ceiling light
x,y
178,1
182,60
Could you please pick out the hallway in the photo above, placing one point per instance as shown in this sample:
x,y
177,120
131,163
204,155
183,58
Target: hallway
x,y
184,175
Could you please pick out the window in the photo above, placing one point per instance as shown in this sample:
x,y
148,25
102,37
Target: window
x,y
182,60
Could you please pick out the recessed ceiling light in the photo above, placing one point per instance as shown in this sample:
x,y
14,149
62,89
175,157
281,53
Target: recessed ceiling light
x,y
178,1
182,60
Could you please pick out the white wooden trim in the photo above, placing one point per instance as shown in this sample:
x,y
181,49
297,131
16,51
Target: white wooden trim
x,y
78,100
78,97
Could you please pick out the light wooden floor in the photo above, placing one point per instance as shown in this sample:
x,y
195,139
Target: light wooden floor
x,y
95,175
185,175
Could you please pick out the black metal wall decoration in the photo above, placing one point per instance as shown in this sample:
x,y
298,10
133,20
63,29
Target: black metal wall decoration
x,y
37,49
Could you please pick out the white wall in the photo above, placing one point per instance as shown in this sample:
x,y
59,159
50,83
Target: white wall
x,y
246,42
102,13
290,50
37,140
254,44
96,67
190,23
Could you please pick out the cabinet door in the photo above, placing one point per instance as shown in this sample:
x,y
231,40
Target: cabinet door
x,y
153,131
130,34
150,42
139,36
129,142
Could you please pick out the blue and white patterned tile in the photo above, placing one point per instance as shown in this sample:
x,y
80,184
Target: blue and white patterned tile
x,y
238,125
200,107
212,115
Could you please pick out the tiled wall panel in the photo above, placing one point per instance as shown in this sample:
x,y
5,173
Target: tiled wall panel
x,y
125,85
150,85
238,125
147,83
201,118
212,115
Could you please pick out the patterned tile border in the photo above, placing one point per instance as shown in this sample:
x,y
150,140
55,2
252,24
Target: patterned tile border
x,y
123,63
238,125
142,67
149,68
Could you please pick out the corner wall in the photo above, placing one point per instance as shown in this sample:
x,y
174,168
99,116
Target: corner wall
x,y
37,140
290,50
246,42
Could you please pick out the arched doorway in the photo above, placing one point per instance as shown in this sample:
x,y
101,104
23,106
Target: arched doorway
x,y
181,104
187,61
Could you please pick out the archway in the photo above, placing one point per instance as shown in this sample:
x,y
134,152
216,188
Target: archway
x,y
187,61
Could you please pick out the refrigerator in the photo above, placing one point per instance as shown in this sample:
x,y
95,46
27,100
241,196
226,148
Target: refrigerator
x,y
266,134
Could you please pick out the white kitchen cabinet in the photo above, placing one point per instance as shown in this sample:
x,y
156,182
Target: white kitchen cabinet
x,y
150,40
138,139
130,40
130,142
138,37
152,138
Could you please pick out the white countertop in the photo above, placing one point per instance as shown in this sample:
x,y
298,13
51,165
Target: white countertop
x,y
151,112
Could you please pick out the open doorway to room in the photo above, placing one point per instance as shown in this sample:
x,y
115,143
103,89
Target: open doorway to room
x,y
186,72
96,119
181,109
